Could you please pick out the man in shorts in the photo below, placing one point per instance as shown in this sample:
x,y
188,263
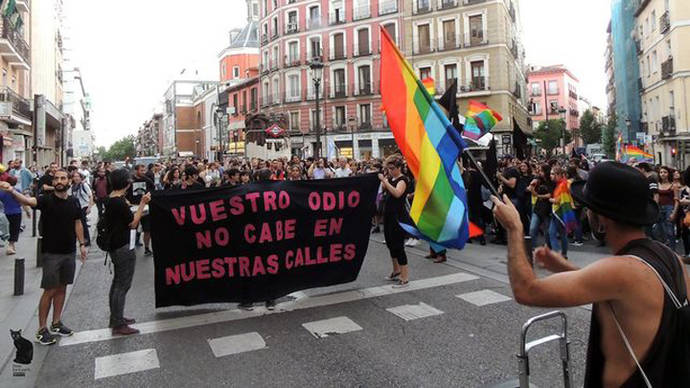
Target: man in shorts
x,y
62,227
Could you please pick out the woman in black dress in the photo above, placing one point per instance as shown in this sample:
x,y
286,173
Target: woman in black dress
x,y
395,187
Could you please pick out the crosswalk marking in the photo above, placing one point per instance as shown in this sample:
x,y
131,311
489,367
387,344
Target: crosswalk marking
x,y
298,304
328,327
125,363
411,312
234,344
483,297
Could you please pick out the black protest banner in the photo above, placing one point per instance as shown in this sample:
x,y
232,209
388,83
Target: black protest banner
x,y
259,241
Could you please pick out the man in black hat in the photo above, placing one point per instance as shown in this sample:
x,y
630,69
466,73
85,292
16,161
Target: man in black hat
x,y
628,298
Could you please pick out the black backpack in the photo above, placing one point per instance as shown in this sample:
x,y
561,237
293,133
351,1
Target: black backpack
x,y
103,230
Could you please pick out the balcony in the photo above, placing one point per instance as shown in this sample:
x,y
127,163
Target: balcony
x,y
336,17
293,96
336,56
450,44
264,39
640,85
274,35
292,61
423,47
664,23
448,4
275,99
266,101
14,108
387,7
339,91
514,49
361,12
264,69
13,47
517,91
423,7
477,84
667,68
574,113
572,94
365,125
314,24
475,40
638,46
292,28
473,2
668,124
362,52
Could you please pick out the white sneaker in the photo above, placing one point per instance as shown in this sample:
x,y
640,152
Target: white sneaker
x,y
408,242
414,242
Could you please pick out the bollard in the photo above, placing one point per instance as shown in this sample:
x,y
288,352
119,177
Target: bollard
x,y
18,276
39,255
33,223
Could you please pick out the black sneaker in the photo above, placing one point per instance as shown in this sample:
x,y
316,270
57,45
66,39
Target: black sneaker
x,y
147,252
44,337
271,304
61,329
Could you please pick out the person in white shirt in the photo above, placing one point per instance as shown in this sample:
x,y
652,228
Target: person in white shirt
x,y
82,192
343,169
85,173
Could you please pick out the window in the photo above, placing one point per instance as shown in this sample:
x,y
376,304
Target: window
x,y
478,79
339,117
553,87
252,94
553,106
294,87
276,55
294,121
339,82
276,90
265,7
424,38
274,24
292,25
293,53
655,63
234,104
449,41
451,74
536,88
536,108
315,47
364,80
4,78
361,9
235,72
390,29
424,72
314,17
314,119
671,102
337,14
476,30
653,20
649,63
244,101
339,46
255,10
423,6
363,41
365,115
222,71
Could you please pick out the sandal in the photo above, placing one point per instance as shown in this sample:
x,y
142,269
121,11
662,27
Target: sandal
x,y
402,284
393,276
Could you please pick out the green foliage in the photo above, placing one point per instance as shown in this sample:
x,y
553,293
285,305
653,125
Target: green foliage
x,y
550,136
119,150
609,136
590,129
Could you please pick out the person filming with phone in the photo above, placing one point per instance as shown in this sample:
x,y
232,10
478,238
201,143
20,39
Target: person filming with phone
x,y
639,293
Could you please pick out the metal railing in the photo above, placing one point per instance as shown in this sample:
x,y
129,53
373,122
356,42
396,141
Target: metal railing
x,y
421,47
291,28
668,124
362,52
664,23
423,6
448,4
474,41
450,44
336,18
291,61
314,23
476,84
16,39
667,68
338,55
293,96
339,91
20,105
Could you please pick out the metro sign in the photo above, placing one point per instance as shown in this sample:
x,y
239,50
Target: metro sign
x,y
275,130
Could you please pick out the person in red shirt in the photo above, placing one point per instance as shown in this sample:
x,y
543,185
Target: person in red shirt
x,y
101,189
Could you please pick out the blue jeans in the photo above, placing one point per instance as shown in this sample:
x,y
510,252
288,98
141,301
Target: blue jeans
x,y
535,225
555,228
666,232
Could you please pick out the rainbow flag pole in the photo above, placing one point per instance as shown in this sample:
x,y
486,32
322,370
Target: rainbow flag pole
x,y
431,146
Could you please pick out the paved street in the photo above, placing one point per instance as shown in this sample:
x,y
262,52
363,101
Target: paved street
x,y
456,325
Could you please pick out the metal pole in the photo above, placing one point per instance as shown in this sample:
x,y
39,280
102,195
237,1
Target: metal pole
x,y
318,121
563,137
19,276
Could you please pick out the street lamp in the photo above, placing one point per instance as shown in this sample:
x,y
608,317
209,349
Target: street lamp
x,y
316,67
628,125
562,111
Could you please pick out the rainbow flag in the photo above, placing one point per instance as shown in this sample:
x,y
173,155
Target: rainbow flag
x,y
564,206
619,147
479,120
431,146
633,153
429,85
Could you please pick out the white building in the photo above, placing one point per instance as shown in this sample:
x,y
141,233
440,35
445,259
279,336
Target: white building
x,y
77,104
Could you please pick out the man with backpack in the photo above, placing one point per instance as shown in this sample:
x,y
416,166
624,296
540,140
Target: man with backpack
x,y
639,329
114,234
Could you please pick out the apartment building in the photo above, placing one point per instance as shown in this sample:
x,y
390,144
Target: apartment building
x,y
344,36
662,33
478,44
552,88
149,137
15,95
241,57
610,72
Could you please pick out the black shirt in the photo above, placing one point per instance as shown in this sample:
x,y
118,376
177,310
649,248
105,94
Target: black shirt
x,y
395,206
508,174
118,217
46,179
57,218
653,185
139,187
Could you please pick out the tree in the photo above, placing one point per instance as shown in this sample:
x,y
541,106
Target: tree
x,y
609,136
120,149
550,136
590,129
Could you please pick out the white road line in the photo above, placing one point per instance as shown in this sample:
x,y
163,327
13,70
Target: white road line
x,y
299,304
235,344
333,326
484,297
411,312
124,363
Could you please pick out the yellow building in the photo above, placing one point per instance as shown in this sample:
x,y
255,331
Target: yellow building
x,y
663,33
477,43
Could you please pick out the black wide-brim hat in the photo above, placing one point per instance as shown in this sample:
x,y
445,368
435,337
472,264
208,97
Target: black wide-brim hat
x,y
619,192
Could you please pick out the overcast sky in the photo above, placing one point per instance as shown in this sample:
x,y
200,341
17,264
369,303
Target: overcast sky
x,y
129,51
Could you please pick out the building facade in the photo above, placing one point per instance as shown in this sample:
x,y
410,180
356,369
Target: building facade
x,y
550,89
344,36
478,44
662,33
610,72
77,104
16,136
240,60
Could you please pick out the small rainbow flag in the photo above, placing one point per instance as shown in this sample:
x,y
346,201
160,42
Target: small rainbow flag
x,y
429,85
431,146
631,152
564,206
479,120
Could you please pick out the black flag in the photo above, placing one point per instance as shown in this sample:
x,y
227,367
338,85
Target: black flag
x,y
491,164
449,101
